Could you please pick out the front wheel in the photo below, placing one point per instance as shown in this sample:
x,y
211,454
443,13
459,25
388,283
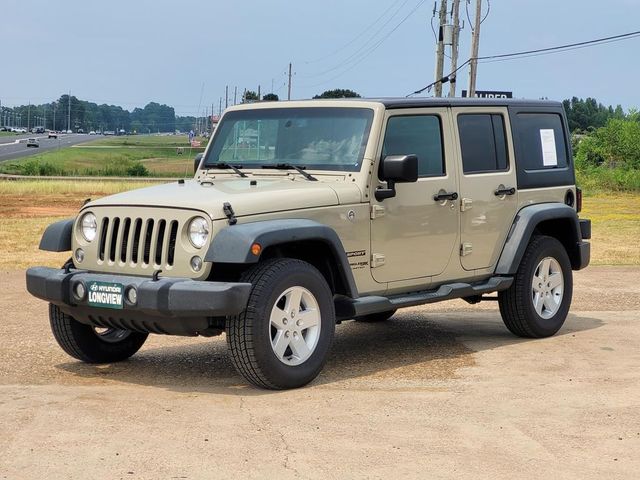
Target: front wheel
x,y
537,303
283,337
90,344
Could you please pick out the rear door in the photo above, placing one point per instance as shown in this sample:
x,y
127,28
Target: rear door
x,y
489,198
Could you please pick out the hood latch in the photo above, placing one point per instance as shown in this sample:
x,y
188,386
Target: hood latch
x,y
229,213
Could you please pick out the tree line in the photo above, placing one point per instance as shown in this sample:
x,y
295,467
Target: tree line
x,y
583,115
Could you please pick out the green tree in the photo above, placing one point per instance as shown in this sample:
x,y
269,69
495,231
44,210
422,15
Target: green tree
x,y
250,96
270,97
338,93
616,145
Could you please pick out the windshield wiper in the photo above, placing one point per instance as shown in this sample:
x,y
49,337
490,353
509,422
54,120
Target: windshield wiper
x,y
290,166
227,166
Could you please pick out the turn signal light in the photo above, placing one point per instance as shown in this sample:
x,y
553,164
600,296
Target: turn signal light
x,y
256,248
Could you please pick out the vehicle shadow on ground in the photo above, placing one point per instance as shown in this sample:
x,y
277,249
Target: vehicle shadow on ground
x,y
413,349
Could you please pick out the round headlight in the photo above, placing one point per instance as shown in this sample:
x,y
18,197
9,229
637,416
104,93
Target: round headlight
x,y
88,226
198,232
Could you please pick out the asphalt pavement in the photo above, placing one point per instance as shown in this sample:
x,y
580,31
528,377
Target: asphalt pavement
x,y
14,147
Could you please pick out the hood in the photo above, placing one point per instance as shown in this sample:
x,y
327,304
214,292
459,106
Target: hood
x,y
268,195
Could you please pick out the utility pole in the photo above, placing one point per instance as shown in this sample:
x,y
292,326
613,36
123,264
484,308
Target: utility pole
x,y
235,95
220,107
475,44
29,117
440,49
289,87
455,47
259,97
69,113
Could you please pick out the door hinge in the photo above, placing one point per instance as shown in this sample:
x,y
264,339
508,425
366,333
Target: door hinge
x,y
466,249
377,260
377,211
466,204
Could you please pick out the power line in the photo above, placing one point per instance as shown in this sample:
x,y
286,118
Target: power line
x,y
569,46
364,46
536,52
371,50
357,36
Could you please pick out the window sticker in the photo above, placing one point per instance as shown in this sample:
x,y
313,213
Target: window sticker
x,y
549,156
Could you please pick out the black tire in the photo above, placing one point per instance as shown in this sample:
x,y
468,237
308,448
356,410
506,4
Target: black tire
x,y
84,343
249,334
517,304
376,317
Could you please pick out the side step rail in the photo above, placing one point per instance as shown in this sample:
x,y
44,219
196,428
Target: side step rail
x,y
347,308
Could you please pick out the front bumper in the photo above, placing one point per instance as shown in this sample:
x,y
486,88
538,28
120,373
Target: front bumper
x,y
168,305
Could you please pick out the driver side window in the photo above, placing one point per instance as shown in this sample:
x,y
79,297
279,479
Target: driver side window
x,y
419,135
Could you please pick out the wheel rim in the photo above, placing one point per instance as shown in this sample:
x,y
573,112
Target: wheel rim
x,y
547,287
111,335
295,326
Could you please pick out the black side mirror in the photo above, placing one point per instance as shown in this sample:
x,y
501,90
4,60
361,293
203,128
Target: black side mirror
x,y
396,169
196,161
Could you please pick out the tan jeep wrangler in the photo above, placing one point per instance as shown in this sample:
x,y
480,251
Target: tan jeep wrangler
x,y
305,214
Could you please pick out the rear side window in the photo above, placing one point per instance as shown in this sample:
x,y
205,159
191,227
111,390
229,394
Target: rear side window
x,y
542,141
419,135
483,143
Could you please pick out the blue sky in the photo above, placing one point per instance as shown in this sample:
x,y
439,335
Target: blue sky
x,y
183,54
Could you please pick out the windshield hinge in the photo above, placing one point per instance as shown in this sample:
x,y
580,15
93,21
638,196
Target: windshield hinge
x,y
229,213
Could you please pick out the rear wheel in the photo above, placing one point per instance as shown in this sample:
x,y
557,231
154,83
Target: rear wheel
x,y
283,337
376,317
537,303
93,345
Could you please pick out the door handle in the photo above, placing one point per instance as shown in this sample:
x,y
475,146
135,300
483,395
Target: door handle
x,y
504,191
439,197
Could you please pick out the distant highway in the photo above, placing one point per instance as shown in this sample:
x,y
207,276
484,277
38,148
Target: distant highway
x,y
14,147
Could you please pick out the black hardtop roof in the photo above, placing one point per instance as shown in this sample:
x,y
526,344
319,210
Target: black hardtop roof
x,y
417,102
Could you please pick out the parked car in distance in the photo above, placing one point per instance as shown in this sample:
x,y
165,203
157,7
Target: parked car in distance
x,y
37,130
53,134
33,142
92,132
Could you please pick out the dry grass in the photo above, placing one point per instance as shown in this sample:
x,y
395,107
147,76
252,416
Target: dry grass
x,y
27,207
84,189
615,222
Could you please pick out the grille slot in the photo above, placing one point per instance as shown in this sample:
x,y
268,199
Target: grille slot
x,y
138,241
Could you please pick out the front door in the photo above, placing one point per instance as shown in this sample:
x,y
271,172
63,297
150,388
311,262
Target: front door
x,y
413,235
488,195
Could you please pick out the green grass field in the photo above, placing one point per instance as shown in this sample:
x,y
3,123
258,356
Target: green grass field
x,y
113,156
7,134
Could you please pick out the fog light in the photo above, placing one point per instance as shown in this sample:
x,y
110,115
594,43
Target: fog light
x,y
196,263
79,291
79,255
132,296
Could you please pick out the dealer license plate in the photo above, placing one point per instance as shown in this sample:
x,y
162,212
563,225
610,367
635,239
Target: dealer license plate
x,y
105,294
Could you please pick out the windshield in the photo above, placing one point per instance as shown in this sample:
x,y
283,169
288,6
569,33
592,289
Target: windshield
x,y
322,138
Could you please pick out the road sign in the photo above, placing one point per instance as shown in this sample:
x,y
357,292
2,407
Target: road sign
x,y
489,94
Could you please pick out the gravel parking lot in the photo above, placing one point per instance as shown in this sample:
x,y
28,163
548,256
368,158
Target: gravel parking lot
x,y
439,392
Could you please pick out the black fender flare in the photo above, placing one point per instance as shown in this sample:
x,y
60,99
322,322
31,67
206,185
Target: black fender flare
x,y
57,236
233,243
526,221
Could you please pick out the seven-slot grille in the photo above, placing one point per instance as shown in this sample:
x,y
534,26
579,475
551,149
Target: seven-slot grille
x,y
137,241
